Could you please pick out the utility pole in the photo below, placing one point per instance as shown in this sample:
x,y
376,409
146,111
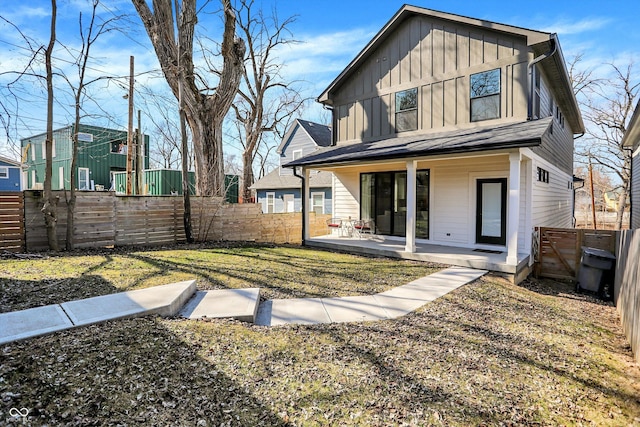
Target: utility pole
x,y
130,143
140,157
593,199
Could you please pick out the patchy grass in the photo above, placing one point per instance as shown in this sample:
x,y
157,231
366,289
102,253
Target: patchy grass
x,y
280,272
489,353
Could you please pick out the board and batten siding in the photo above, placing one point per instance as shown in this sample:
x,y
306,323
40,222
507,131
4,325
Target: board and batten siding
x,y
635,189
437,59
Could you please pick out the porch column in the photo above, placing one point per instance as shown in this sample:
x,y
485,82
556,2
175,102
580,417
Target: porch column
x,y
410,245
305,205
513,215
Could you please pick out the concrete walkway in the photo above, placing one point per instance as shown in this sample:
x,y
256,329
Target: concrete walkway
x,y
242,304
164,300
391,304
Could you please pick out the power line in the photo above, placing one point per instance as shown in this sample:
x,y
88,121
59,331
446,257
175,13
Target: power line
x,y
68,61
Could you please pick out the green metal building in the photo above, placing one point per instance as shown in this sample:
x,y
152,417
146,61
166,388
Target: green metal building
x,y
157,182
101,153
167,182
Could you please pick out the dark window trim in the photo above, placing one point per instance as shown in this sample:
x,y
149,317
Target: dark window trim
x,y
364,215
405,110
497,93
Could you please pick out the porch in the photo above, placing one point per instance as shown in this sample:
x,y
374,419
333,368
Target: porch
x,y
394,247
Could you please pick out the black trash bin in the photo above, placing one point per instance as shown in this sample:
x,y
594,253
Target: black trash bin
x,y
593,264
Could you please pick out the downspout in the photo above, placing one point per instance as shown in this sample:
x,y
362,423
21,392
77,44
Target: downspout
x,y
573,208
333,125
304,203
532,63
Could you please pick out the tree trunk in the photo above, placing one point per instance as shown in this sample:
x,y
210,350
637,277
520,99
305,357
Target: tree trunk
x,y
247,175
622,203
50,207
71,202
205,113
186,196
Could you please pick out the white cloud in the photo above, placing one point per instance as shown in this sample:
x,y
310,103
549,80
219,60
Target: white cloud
x,y
565,26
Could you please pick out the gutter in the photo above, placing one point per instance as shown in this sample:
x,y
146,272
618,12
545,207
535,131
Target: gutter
x,y
550,53
304,203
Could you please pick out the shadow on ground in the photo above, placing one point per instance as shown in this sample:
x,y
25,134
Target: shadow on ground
x,y
121,373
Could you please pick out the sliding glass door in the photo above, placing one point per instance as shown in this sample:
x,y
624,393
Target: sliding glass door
x,y
383,198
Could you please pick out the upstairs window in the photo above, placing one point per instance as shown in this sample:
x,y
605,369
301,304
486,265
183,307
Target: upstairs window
x,y
485,95
407,110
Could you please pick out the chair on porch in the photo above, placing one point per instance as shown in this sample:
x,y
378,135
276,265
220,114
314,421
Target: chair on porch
x,y
334,224
364,227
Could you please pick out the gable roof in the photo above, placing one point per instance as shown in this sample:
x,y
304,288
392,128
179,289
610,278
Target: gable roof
x,y
5,161
631,137
319,134
512,135
539,41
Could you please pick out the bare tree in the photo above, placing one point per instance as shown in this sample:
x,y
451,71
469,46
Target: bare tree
x,y
204,112
50,207
583,80
266,102
607,109
88,36
9,96
166,150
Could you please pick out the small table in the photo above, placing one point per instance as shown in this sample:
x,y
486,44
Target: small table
x,y
347,226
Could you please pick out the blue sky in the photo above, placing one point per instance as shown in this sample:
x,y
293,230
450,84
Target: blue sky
x,y
330,32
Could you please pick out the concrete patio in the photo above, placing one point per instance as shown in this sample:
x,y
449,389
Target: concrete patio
x,y
394,247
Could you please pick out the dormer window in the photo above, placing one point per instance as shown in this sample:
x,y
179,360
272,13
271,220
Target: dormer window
x,y
407,110
485,95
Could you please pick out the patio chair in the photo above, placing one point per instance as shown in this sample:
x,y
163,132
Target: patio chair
x,y
334,224
364,227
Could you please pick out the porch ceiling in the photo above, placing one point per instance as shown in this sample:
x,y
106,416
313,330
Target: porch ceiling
x,y
513,135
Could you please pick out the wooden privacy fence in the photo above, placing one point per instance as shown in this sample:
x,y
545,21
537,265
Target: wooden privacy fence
x,y
11,221
104,219
559,250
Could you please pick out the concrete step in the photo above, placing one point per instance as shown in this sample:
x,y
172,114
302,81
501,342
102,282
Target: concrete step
x,y
240,304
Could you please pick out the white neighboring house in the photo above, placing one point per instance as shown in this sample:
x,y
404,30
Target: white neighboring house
x,y
279,191
453,131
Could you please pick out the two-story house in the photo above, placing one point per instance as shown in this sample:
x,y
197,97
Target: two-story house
x,y
101,153
279,190
453,131
631,141
10,175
